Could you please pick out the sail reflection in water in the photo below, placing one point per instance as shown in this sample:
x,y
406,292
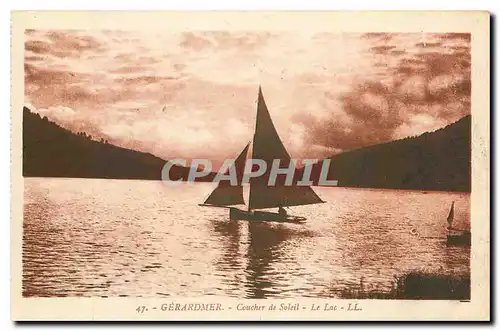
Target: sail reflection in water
x,y
264,243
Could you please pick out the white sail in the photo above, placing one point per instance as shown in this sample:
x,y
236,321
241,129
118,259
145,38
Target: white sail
x,y
451,215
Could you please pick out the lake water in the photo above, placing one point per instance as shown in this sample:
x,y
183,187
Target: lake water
x,y
108,238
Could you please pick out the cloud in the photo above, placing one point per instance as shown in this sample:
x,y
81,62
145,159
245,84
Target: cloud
x,y
223,40
193,94
428,44
370,115
412,89
382,49
70,119
454,36
414,92
64,44
60,113
144,79
382,36
194,42
129,69
418,124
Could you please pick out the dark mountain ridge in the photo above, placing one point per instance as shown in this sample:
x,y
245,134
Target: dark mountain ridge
x,y
52,151
439,160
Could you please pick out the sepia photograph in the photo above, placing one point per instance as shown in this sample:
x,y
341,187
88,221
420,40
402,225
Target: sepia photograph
x,y
225,162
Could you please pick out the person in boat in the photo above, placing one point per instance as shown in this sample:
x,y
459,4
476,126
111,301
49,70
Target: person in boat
x,y
282,212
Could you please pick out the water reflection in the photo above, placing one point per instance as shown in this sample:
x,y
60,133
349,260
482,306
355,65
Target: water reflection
x,y
231,261
230,233
264,248
250,248
42,250
254,250
116,238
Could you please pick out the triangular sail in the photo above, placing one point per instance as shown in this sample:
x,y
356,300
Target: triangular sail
x,y
451,215
225,194
267,146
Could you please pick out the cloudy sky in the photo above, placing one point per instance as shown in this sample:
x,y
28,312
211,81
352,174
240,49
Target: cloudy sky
x,y
193,94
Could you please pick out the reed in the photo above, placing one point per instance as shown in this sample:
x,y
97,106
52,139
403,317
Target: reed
x,y
418,285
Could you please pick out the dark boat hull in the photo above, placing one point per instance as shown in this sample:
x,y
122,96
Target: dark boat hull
x,y
463,239
263,216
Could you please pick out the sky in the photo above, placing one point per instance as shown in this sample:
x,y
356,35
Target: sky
x,y
193,94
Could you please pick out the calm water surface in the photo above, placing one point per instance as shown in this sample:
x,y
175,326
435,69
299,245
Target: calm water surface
x,y
92,237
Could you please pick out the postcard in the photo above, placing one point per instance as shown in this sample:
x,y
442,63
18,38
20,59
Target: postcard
x,y
221,166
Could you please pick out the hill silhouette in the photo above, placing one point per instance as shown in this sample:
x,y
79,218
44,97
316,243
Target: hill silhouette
x,y
52,151
439,160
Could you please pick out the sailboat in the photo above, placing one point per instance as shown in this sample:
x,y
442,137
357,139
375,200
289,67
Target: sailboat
x,y
266,146
456,236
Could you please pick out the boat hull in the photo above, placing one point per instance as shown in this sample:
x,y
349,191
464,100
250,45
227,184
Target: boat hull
x,y
463,239
263,216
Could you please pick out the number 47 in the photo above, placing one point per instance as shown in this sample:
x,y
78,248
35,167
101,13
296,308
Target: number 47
x,y
141,309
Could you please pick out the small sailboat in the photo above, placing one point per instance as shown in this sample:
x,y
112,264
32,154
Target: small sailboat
x,y
456,236
268,147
